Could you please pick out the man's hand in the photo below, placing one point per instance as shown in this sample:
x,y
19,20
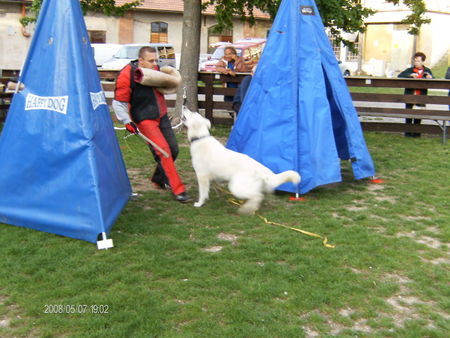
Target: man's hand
x,y
132,128
231,72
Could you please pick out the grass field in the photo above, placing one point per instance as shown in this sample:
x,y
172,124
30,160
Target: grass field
x,y
177,270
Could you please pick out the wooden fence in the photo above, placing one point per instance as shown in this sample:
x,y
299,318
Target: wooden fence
x,y
378,111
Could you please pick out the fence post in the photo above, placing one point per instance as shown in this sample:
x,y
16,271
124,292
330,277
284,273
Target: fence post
x,y
209,99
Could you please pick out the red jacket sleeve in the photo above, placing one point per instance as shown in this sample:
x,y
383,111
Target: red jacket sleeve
x,y
122,92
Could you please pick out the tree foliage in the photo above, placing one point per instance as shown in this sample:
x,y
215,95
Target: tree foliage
x,y
338,15
107,7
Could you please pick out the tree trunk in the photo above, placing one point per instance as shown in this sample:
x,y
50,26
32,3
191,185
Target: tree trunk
x,y
190,51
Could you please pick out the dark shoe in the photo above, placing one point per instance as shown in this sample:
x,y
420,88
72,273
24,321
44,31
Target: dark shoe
x,y
183,197
163,186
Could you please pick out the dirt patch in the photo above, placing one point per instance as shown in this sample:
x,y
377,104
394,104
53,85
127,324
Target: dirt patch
x,y
140,180
437,261
227,237
336,328
417,218
434,230
375,187
4,322
404,304
356,208
213,249
343,218
380,218
385,199
12,316
426,240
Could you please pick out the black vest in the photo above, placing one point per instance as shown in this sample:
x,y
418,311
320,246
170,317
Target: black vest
x,y
144,105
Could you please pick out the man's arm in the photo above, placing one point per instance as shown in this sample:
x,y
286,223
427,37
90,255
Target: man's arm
x,y
121,111
406,73
221,67
122,96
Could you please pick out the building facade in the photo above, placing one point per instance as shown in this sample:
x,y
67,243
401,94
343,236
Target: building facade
x,y
152,21
384,49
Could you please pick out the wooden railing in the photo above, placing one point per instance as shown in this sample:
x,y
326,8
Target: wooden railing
x,y
5,98
392,106
378,111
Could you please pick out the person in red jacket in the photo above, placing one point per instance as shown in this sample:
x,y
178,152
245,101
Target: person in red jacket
x,y
419,71
143,109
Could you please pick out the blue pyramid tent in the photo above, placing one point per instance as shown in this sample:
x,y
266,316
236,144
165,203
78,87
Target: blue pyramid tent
x,y
298,113
61,167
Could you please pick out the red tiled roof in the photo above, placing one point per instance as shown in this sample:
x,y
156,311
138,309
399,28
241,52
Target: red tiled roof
x,y
178,6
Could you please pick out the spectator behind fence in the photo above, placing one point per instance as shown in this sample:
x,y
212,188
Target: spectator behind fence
x,y
230,65
419,71
242,90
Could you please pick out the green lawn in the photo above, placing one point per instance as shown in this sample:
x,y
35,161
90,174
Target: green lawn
x,y
177,270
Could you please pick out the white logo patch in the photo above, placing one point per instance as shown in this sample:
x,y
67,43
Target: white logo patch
x,y
54,103
97,99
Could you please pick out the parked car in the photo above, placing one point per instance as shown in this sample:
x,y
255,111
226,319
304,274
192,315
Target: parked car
x,y
250,49
104,52
344,69
129,52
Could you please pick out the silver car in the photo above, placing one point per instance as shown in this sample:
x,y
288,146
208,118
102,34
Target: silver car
x,y
129,52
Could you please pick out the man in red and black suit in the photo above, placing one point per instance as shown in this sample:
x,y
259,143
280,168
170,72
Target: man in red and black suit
x,y
144,108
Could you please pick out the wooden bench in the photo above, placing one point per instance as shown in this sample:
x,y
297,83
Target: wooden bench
x,y
382,107
378,111
5,98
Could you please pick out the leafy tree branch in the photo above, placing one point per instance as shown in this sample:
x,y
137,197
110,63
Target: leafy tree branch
x,y
107,7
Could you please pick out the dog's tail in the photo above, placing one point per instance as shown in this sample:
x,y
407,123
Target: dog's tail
x,y
286,176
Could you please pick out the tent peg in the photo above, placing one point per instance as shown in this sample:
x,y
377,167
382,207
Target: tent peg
x,y
104,243
296,198
373,179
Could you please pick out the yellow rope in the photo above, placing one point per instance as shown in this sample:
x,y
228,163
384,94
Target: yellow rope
x,y
312,234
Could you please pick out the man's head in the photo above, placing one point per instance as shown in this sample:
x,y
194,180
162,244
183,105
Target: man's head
x,y
230,53
419,59
147,58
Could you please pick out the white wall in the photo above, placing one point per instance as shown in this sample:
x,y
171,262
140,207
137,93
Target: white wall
x,y
13,44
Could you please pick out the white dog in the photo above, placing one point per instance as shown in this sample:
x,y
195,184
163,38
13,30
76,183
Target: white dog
x,y
247,179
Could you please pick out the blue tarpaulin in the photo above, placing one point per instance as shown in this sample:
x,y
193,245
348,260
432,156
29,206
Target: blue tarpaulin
x,y
298,113
61,169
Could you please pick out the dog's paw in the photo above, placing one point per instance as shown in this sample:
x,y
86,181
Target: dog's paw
x,y
245,210
198,204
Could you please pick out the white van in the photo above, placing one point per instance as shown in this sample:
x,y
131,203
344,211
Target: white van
x,y
104,52
129,52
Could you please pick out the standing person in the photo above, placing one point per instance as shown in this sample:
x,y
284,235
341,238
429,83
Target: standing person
x,y
230,65
242,90
144,107
419,71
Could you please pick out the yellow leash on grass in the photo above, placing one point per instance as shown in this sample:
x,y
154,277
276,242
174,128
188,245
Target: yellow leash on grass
x,y
312,234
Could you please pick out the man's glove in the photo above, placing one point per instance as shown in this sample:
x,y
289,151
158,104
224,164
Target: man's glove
x,y
132,128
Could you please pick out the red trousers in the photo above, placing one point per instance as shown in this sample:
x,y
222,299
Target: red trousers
x,y
151,129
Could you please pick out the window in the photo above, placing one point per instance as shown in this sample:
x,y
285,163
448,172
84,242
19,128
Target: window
x,y
159,32
353,57
336,47
215,37
166,52
97,36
